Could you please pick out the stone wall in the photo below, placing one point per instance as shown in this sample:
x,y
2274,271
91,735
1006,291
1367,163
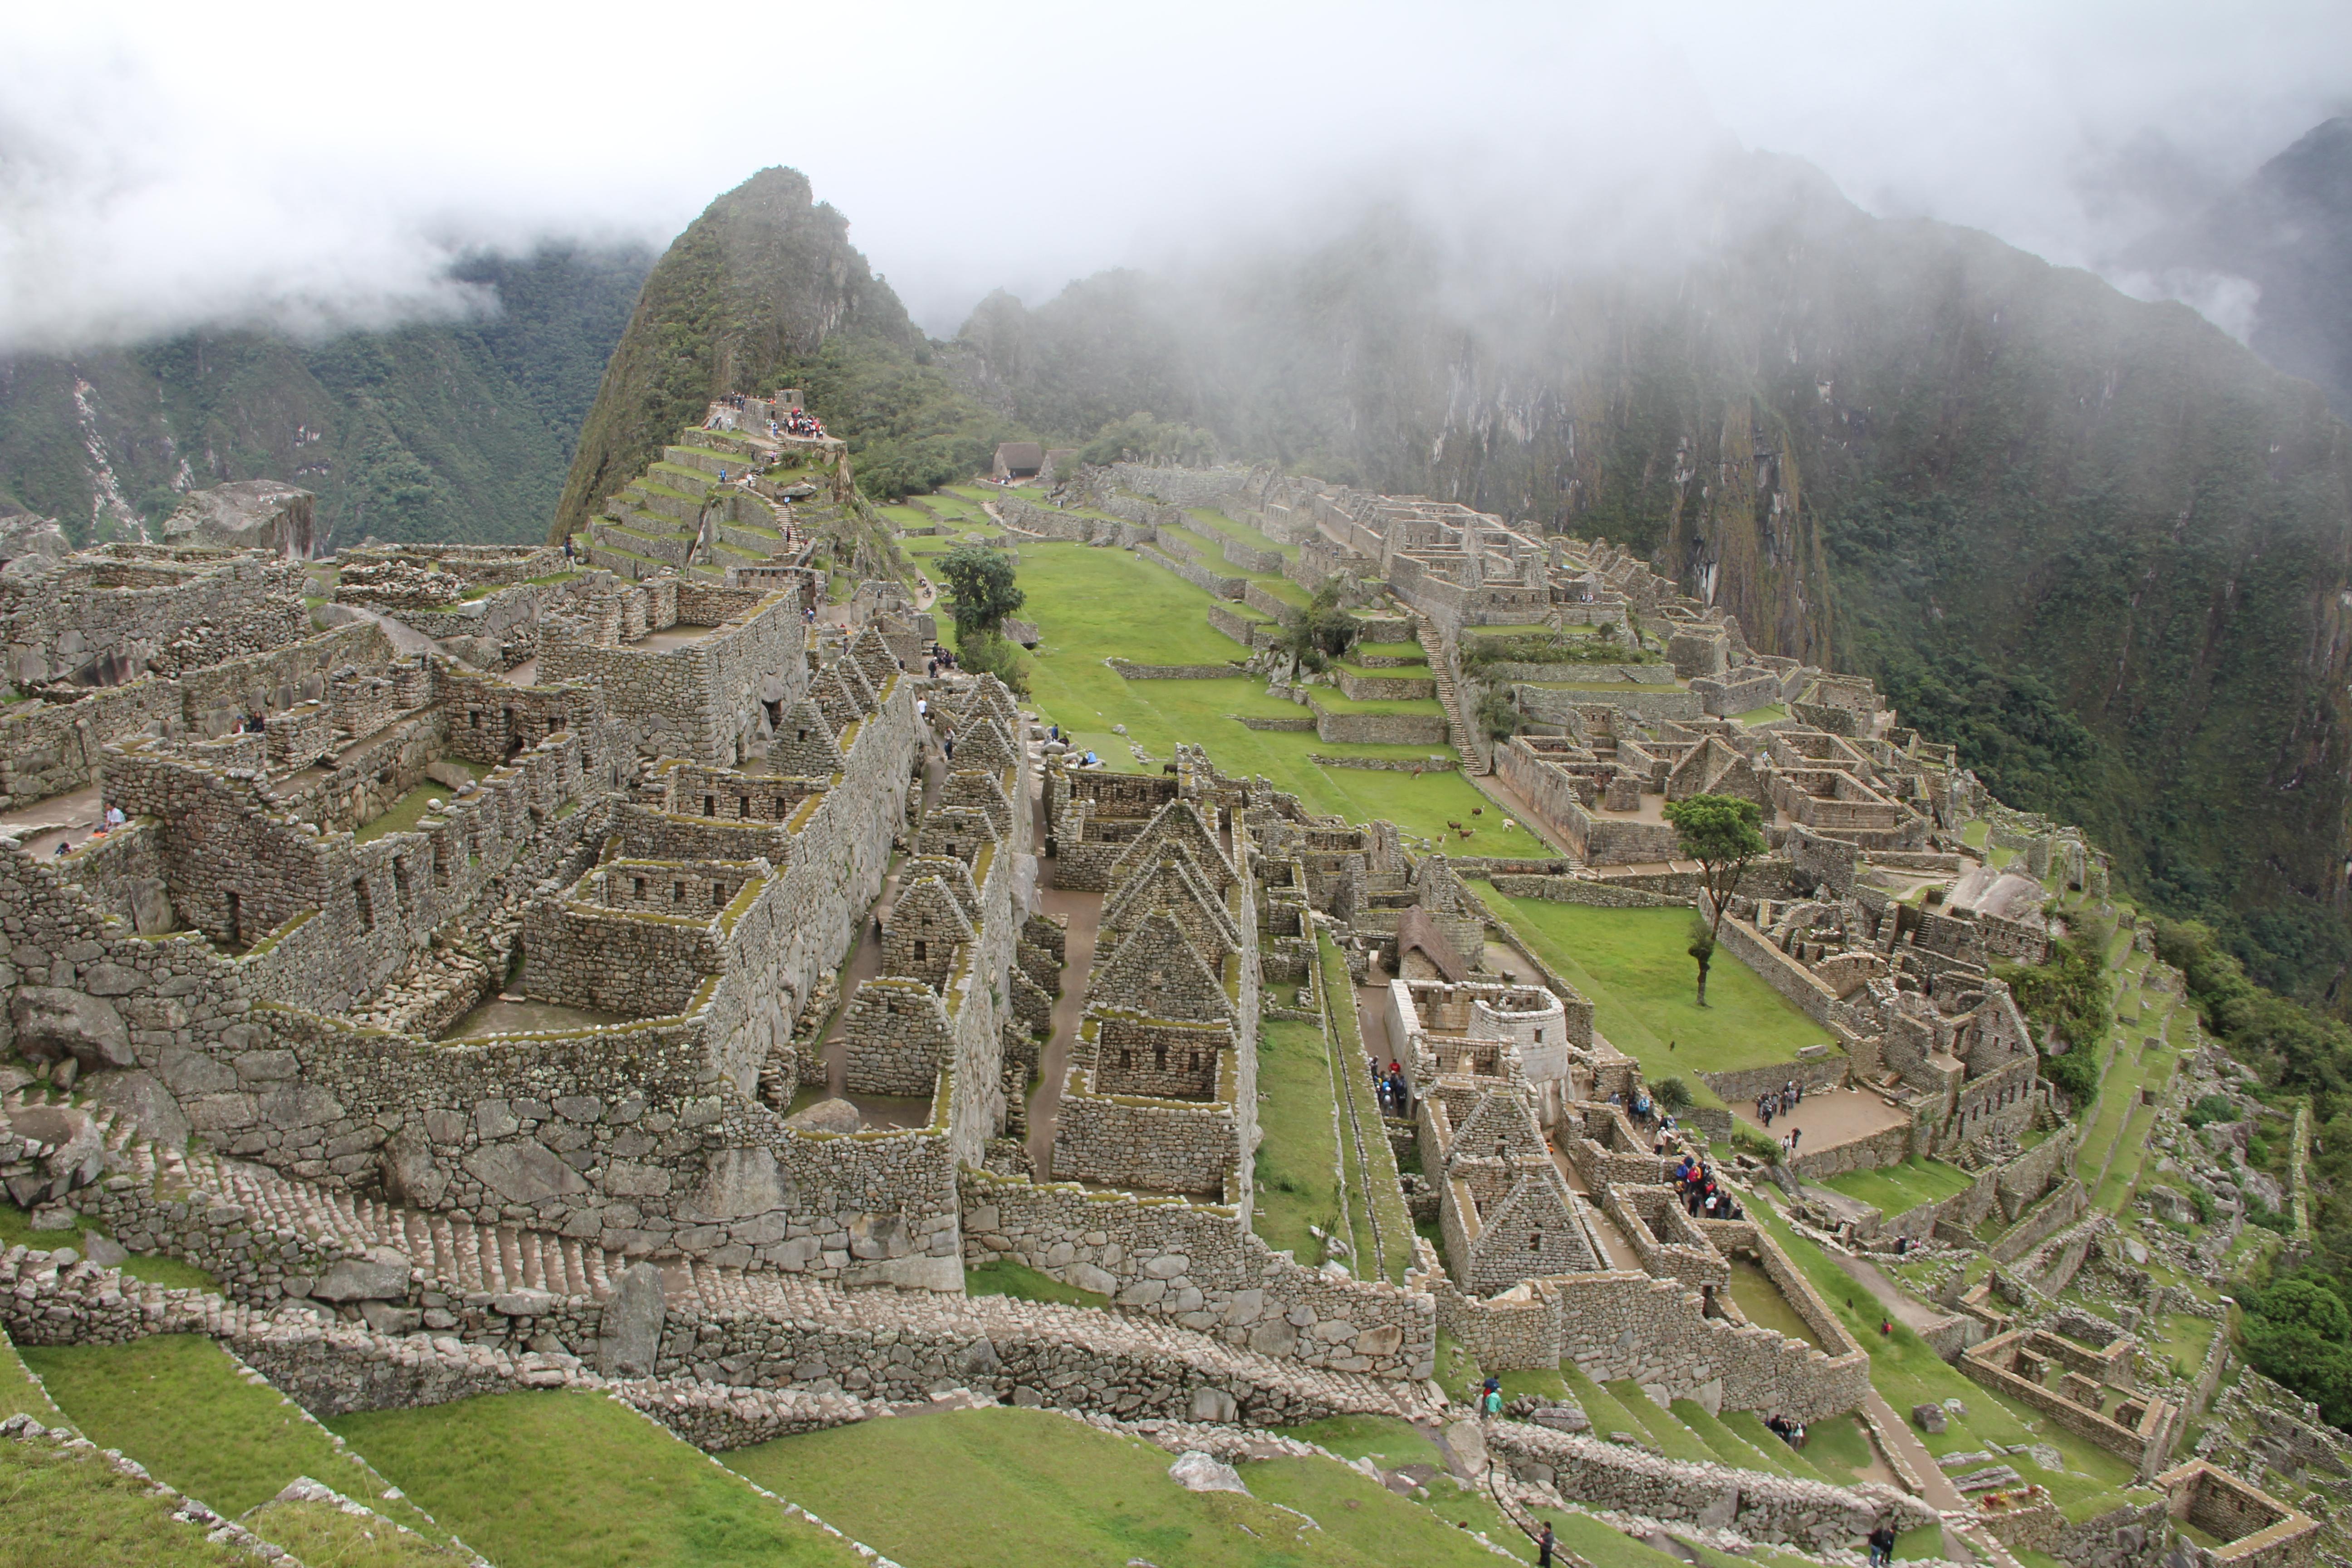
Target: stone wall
x,y
1196,1265
1812,1515
701,700
1342,727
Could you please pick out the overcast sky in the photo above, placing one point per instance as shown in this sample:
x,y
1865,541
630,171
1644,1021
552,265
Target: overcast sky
x,y
312,165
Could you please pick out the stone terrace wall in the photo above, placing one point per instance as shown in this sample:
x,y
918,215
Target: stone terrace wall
x,y
1810,1514
1182,487
1194,1265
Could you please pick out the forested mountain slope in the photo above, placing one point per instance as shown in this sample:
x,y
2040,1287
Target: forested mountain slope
x,y
449,431
2095,541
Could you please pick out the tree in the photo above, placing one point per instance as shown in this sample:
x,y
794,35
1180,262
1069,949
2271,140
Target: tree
x,y
1702,948
1322,631
982,581
1723,833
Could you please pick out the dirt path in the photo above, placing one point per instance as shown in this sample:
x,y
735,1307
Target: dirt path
x,y
1915,1315
1828,1118
1085,913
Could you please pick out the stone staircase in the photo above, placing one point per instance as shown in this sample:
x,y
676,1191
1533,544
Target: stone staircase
x,y
1449,697
678,514
493,1268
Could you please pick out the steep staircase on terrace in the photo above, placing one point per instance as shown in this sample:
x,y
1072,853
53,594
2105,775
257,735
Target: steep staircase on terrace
x,y
1449,696
678,515
459,1257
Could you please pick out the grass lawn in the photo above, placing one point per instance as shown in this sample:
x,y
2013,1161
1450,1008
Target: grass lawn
x,y
1006,1277
178,1404
19,1394
1296,1158
1634,965
1090,605
405,814
70,1509
322,1534
1908,1373
572,1480
1898,1189
1007,1488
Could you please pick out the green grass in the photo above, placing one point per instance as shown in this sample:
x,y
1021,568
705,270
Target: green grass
x,y
1898,1189
19,1394
1007,1488
1838,1448
1094,603
1727,1445
1750,1429
1233,528
572,1479
1332,700
1908,1373
16,1230
178,1404
1006,1277
405,814
1635,966
1672,1438
1296,1158
1770,713
70,1509
1602,1547
322,1535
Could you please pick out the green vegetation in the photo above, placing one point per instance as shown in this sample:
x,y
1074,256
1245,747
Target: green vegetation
x,y
1584,645
396,434
1090,605
321,1535
1898,1189
567,1479
16,1230
1635,966
1007,1488
2073,993
1296,1160
980,583
179,1405
1321,630
1004,1276
19,1393
70,1509
1723,833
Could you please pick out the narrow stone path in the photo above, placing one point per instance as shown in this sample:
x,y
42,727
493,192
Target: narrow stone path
x,y
1915,1315
1085,913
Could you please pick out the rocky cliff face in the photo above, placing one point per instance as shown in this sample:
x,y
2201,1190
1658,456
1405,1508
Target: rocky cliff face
x,y
2099,543
760,280
449,431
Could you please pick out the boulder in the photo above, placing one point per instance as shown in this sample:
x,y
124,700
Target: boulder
x,y
382,1276
140,1098
1464,1445
738,1183
53,1023
104,1251
628,1336
446,774
76,1155
1928,1417
151,907
246,514
522,1172
1199,1472
825,1116
411,1177
385,1319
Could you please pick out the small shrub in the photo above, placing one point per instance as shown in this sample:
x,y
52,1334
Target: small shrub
x,y
992,653
1672,1093
2212,1108
1754,1140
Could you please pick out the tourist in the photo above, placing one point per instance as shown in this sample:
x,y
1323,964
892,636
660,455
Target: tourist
x,y
1543,1546
64,845
1882,1547
1794,1133
114,818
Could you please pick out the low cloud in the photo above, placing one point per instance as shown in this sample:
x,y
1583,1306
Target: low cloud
x,y
167,167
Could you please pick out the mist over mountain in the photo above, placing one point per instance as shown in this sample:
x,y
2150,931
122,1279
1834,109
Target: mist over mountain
x,y
2094,540
452,429
2284,238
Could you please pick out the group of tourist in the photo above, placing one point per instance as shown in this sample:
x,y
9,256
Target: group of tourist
x,y
1790,1432
1769,1104
112,819
796,422
1695,1183
1396,1096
